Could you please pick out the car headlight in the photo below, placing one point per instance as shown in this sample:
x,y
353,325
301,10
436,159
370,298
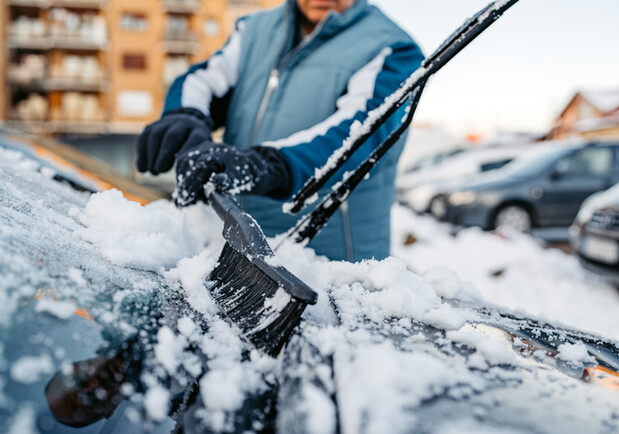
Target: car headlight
x,y
462,198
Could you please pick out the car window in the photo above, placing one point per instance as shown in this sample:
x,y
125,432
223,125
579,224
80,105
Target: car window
x,y
588,161
484,167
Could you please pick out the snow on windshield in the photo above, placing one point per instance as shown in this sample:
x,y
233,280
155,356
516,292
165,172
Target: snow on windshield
x,y
371,339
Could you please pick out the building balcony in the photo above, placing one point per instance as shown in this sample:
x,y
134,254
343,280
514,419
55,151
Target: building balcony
x,y
59,127
78,43
29,3
30,85
82,4
77,127
51,42
180,42
181,6
78,85
29,42
46,4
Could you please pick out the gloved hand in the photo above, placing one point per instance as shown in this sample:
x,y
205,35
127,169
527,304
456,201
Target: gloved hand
x,y
161,140
257,170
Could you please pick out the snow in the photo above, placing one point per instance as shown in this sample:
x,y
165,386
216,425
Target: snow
x,y
575,354
30,369
58,308
133,236
462,165
511,271
24,421
375,403
191,273
473,426
445,317
604,100
491,351
320,409
369,328
528,278
156,402
168,348
77,276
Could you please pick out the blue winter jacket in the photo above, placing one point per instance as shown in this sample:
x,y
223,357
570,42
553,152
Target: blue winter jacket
x,y
271,87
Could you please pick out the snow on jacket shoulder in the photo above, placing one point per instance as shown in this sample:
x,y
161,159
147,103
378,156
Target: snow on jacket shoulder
x,y
303,97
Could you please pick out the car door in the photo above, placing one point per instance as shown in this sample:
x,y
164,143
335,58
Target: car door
x,y
572,179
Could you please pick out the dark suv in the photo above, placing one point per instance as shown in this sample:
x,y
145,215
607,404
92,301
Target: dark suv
x,y
543,188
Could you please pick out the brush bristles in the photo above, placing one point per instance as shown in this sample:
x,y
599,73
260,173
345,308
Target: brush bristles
x,y
241,289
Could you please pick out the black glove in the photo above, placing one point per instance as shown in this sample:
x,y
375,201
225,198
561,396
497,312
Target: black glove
x,y
161,140
258,170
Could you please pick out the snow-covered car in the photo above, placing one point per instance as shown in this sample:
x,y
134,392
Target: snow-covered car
x,y
594,235
433,160
107,325
423,189
544,188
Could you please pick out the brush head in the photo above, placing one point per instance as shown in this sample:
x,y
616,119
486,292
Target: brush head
x,y
256,293
262,307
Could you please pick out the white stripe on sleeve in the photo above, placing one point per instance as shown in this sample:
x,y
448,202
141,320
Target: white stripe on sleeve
x,y
220,75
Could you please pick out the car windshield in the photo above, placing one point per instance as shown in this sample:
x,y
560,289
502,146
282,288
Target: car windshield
x,y
534,162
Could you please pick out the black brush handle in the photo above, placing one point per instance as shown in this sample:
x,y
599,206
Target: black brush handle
x,y
452,46
241,231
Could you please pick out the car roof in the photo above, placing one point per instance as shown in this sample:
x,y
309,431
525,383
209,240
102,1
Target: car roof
x,y
76,167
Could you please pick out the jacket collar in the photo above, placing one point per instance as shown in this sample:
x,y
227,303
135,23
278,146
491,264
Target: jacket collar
x,y
333,23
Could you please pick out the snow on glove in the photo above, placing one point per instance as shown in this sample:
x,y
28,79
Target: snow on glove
x,y
161,140
258,170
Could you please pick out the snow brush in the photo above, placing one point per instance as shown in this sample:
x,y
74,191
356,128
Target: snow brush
x,y
410,91
250,285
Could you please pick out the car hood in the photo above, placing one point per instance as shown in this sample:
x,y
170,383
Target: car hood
x,y
382,351
607,200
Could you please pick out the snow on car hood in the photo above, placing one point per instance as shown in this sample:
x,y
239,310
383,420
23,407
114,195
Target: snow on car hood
x,y
384,350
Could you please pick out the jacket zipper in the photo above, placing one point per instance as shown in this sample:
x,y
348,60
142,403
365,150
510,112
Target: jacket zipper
x,y
271,86
273,82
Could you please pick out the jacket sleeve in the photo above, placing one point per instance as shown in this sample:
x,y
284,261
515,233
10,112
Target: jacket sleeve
x,y
307,150
205,85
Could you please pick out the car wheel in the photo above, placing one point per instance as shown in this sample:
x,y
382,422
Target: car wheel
x,y
438,207
515,217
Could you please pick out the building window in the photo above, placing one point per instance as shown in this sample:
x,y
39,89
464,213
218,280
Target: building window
x,y
134,62
133,22
135,103
211,28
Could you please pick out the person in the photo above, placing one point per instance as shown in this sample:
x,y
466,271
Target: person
x,y
289,85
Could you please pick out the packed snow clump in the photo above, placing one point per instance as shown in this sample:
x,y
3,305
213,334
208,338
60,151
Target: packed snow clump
x,y
134,236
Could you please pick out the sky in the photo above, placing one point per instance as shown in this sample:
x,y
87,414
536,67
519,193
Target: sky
x,y
522,71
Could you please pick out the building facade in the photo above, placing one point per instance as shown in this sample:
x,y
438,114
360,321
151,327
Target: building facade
x,y
102,66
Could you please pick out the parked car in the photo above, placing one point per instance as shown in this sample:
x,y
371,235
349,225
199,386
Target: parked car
x,y
544,188
433,160
90,344
594,235
420,189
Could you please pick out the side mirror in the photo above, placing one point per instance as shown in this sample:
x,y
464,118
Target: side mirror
x,y
555,175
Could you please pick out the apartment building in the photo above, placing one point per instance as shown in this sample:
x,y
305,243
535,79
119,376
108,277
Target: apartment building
x,y
102,66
